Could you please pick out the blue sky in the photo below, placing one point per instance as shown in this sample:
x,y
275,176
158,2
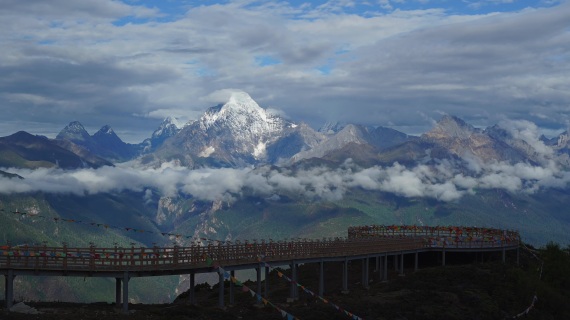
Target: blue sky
x,y
395,63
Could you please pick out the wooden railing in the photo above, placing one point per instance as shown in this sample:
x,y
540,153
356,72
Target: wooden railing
x,y
361,241
440,236
133,259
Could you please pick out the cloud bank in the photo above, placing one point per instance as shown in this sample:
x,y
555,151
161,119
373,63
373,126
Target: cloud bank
x,y
444,181
393,63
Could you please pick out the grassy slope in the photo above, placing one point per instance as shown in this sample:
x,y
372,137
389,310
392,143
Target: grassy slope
x,y
540,218
33,230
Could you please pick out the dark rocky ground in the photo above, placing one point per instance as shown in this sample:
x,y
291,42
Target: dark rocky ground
x,y
462,290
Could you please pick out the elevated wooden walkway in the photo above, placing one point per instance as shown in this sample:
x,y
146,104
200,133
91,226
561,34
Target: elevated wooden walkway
x,y
364,242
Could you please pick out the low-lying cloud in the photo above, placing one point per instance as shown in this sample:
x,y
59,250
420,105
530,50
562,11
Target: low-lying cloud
x,y
445,181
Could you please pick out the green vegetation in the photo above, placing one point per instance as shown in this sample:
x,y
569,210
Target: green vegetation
x,y
39,228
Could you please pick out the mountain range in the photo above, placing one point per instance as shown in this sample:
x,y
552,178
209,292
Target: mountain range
x,y
243,172
240,133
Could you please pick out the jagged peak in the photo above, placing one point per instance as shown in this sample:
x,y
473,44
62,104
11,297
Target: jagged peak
x,y
332,127
239,107
241,101
74,126
168,127
452,126
74,131
168,121
106,129
241,98
563,139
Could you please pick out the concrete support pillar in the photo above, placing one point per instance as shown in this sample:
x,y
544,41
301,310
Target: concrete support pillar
x,y
118,292
385,269
221,289
294,290
377,264
365,275
396,262
443,257
402,264
258,279
416,261
126,292
345,276
321,279
504,256
266,284
9,289
192,295
232,276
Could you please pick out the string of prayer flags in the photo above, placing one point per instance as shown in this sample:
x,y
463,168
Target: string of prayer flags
x,y
325,301
535,298
245,288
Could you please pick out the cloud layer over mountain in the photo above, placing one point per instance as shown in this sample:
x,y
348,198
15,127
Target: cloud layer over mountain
x,y
445,181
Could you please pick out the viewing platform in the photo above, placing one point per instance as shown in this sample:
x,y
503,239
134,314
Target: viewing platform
x,y
374,243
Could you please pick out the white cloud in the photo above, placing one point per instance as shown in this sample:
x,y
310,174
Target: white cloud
x,y
393,67
445,181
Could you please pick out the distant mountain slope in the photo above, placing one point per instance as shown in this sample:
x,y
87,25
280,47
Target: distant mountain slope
x,y
463,140
357,142
39,227
23,150
9,175
104,143
168,128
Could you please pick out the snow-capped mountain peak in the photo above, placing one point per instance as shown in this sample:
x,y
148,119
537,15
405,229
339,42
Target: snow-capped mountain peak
x,y
243,101
106,129
168,128
74,131
242,112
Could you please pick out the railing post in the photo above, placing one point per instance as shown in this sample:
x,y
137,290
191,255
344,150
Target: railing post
x,y
64,256
9,251
141,256
91,256
176,257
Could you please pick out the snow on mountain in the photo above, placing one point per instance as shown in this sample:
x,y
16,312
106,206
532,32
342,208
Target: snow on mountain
x,y
75,132
242,115
332,127
236,133
168,128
